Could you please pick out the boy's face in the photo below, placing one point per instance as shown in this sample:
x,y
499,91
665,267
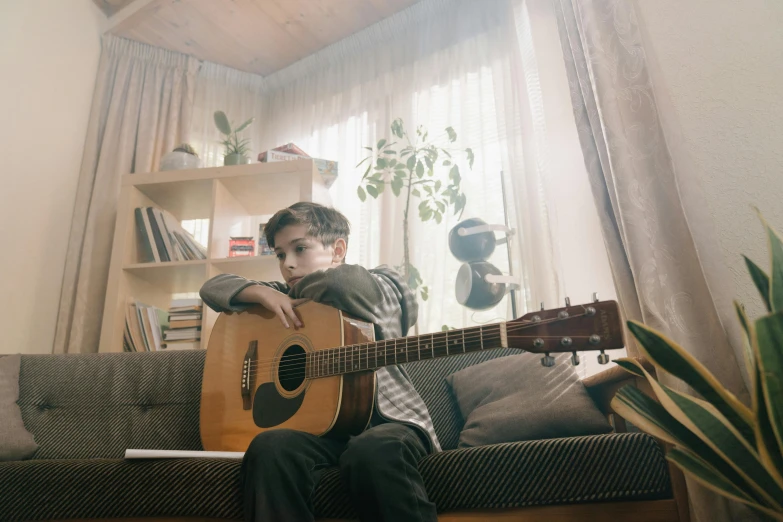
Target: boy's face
x,y
300,254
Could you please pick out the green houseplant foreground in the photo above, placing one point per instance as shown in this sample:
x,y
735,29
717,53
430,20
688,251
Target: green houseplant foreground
x,y
718,441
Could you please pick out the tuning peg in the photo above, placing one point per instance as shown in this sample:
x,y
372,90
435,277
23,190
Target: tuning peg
x,y
575,359
595,297
547,360
603,358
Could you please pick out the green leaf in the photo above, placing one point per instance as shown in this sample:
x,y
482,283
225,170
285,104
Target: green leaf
x,y
381,163
668,355
361,193
702,472
747,348
369,148
437,185
452,134
776,276
446,163
768,347
392,163
650,416
425,293
379,186
462,200
438,217
441,206
471,157
411,163
419,169
428,161
244,125
396,186
371,190
366,172
416,193
414,278
427,189
390,151
221,121
761,280
365,159
396,127
381,143
454,175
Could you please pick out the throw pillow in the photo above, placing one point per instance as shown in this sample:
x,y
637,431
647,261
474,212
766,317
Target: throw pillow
x,y
515,398
16,443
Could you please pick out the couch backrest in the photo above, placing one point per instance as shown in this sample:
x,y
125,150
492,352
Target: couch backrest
x,y
98,405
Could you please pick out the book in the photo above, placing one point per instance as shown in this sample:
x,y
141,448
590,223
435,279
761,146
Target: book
x,y
182,345
181,454
290,152
162,238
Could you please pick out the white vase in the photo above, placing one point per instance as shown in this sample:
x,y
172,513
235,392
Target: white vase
x,y
178,160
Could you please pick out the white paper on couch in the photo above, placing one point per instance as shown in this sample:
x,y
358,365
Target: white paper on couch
x,y
181,454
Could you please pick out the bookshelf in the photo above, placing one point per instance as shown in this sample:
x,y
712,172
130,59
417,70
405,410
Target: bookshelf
x,y
230,198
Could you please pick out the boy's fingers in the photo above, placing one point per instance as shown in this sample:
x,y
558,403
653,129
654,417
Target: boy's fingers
x,y
289,311
297,302
281,315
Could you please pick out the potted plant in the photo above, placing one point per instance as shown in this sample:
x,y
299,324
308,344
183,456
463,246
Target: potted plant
x,y
409,167
183,157
732,449
236,149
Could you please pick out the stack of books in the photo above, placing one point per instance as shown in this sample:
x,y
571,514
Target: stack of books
x,y
289,152
184,331
145,327
162,238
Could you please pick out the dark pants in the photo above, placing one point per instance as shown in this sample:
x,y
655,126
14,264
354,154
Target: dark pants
x,y
281,469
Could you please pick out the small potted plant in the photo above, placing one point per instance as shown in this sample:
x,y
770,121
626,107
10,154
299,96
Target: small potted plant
x,y
183,157
236,149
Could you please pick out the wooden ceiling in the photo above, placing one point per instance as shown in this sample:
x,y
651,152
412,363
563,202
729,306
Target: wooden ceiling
x,y
258,36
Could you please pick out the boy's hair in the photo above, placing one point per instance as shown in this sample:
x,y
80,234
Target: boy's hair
x,y
325,224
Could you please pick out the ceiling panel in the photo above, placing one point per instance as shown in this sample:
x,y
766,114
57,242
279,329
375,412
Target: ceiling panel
x,y
258,36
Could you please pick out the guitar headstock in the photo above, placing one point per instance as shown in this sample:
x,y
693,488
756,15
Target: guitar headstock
x,y
595,326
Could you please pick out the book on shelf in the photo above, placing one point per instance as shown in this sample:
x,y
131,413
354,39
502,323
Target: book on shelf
x,y
145,327
289,151
185,320
162,238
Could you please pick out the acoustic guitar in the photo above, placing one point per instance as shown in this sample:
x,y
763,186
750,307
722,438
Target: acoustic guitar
x,y
320,379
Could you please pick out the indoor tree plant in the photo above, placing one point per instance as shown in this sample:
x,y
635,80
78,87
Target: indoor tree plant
x,y
415,168
730,448
236,149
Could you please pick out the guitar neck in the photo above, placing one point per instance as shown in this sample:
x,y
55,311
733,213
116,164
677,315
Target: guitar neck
x,y
374,355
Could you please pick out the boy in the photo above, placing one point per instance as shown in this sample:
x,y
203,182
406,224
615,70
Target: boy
x,y
281,468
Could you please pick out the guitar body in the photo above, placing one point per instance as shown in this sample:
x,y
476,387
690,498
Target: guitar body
x,y
254,378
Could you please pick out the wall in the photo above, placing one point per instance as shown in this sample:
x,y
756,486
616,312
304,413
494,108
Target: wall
x,y
717,68
49,54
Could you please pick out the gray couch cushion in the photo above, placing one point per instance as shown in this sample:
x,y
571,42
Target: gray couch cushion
x,y
429,379
98,405
515,398
16,442
555,471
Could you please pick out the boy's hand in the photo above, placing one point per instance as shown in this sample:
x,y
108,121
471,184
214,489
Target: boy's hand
x,y
274,301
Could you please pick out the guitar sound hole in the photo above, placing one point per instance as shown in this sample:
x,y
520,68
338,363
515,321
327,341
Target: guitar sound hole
x,y
291,370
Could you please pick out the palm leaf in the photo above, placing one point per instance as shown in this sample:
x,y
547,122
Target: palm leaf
x,y
703,473
671,357
244,125
704,420
760,279
776,276
747,349
221,121
768,397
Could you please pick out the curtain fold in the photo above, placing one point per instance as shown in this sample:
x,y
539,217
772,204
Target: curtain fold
x,y
659,277
141,110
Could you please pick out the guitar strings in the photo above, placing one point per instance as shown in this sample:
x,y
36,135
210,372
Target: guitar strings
x,y
340,359
471,336
298,363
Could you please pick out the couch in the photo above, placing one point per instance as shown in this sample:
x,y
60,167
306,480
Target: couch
x,y
86,409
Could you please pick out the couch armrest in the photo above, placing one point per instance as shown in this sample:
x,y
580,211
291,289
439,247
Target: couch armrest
x,y
602,386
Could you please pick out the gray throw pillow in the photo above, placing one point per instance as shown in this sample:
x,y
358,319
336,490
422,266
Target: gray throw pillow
x,y
515,398
16,443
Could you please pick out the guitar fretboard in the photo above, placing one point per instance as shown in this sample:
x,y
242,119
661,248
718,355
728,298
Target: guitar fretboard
x,y
374,355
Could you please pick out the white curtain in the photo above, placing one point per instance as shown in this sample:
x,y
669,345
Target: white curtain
x,y
140,110
461,63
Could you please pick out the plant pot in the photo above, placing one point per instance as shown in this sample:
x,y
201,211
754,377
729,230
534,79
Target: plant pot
x,y
179,160
235,159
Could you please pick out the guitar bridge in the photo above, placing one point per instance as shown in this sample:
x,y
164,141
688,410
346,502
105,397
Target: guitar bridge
x,y
249,375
